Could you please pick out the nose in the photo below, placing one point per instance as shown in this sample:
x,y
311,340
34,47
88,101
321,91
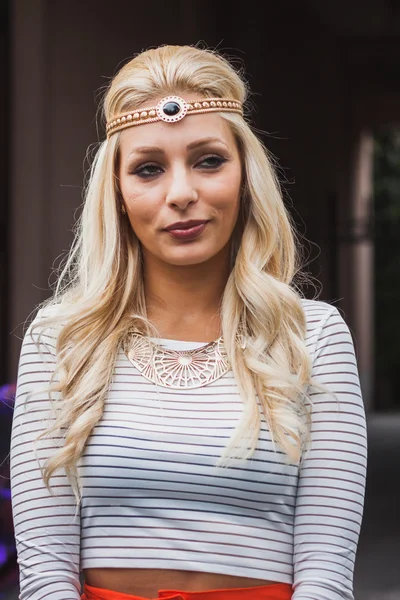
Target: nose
x,y
181,191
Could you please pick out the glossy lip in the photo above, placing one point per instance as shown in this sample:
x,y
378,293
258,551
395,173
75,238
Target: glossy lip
x,y
185,225
187,234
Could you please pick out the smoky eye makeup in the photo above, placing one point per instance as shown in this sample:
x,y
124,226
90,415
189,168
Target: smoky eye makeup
x,y
146,170
212,162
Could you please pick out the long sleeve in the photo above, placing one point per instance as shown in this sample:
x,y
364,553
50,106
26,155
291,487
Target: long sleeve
x,y
47,531
331,488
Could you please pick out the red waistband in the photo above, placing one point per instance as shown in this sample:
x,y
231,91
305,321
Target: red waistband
x,y
277,591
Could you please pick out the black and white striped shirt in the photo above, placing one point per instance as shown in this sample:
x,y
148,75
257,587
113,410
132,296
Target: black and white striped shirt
x,y
152,497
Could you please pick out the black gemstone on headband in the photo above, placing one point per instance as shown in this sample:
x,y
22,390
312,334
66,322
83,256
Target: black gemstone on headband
x,y
171,109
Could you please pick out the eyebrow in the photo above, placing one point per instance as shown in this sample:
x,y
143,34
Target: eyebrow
x,y
191,146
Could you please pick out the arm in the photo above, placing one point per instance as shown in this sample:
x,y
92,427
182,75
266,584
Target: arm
x,y
47,533
331,487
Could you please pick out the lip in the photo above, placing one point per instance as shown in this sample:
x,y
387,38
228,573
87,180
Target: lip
x,y
188,233
185,224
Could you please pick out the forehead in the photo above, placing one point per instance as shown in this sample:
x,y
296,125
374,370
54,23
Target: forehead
x,y
177,135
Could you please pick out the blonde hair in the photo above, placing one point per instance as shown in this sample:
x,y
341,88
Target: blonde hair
x,y
99,293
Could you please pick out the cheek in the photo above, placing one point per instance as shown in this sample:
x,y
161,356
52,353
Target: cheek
x,y
141,207
138,201
226,196
140,218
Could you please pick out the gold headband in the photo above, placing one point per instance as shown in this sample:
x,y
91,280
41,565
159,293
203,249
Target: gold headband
x,y
171,109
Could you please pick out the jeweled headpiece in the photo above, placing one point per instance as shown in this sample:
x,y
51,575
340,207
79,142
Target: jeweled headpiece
x,y
171,109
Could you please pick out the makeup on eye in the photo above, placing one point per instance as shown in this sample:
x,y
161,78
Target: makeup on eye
x,y
211,162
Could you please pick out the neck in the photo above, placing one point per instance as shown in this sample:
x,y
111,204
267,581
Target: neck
x,y
183,302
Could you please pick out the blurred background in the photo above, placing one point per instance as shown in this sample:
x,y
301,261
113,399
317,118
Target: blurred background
x,y
326,101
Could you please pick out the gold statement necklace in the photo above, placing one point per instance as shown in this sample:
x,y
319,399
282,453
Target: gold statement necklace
x,y
176,369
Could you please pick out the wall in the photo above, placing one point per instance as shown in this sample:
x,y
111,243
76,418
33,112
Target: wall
x,y
64,53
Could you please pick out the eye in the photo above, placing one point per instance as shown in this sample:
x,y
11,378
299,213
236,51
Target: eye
x,y
212,162
146,171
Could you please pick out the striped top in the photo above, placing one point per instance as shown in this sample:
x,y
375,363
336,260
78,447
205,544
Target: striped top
x,y
153,498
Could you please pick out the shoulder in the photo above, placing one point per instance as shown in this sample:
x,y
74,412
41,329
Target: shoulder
x,y
325,323
50,313
50,310
317,313
44,326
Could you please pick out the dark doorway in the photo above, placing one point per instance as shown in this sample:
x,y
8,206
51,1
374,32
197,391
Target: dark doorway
x,y
387,266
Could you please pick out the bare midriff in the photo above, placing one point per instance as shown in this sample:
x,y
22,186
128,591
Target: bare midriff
x,y
147,582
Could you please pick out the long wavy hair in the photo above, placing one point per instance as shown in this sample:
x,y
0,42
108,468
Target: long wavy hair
x,y
99,293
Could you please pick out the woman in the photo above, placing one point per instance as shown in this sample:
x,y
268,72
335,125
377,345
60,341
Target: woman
x,y
207,433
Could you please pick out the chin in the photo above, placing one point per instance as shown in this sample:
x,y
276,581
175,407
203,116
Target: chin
x,y
188,259
186,262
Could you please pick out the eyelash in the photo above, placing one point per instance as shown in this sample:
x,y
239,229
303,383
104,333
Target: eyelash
x,y
140,172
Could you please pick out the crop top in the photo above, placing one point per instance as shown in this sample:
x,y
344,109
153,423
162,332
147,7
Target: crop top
x,y
153,498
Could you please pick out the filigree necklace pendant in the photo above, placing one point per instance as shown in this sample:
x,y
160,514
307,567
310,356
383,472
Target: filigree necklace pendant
x,y
176,369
